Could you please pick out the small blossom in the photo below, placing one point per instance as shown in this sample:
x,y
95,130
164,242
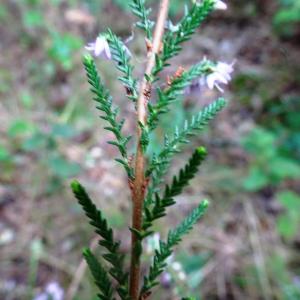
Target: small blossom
x,y
166,279
181,276
176,266
220,5
127,51
52,291
170,26
152,243
221,74
100,48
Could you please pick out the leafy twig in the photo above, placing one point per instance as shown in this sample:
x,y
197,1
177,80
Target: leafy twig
x,y
104,99
139,9
166,248
99,222
176,87
157,210
121,56
186,28
160,162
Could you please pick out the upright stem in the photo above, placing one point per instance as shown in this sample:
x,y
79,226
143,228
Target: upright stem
x,y
138,194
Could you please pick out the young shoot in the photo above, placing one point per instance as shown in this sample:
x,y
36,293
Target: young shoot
x,y
150,195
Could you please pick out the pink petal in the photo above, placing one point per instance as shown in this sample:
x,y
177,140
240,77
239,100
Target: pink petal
x,y
99,45
219,88
210,80
107,50
220,5
90,47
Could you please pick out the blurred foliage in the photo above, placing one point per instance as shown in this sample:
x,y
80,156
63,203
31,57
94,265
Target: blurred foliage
x,y
45,145
63,48
287,18
268,165
283,119
288,287
288,223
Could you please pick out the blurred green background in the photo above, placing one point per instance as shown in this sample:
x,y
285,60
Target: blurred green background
x,y
248,245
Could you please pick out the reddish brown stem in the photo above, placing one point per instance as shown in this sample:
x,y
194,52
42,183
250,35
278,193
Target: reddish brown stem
x,y
138,193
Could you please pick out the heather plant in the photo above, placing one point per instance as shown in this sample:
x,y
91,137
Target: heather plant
x,y
151,96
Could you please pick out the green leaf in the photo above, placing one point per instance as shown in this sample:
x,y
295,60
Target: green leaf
x,y
37,142
26,99
289,222
100,275
282,168
62,167
20,127
287,227
63,47
289,200
256,179
262,141
63,130
4,154
33,18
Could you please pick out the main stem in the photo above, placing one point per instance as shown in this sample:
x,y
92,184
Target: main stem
x,y
139,182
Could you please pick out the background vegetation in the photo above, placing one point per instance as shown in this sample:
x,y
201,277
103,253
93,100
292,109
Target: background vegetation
x,y
248,245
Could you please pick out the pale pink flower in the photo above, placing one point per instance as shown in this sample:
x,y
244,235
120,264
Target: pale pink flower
x,y
220,5
52,291
152,243
100,48
221,74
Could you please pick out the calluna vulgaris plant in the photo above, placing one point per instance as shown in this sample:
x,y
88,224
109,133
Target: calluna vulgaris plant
x,y
145,175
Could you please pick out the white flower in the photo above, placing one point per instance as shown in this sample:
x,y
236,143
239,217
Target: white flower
x,y
100,47
181,276
52,291
152,243
220,5
170,26
176,266
220,74
127,51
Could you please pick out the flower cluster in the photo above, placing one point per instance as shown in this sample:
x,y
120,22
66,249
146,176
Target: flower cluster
x,y
220,74
218,4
